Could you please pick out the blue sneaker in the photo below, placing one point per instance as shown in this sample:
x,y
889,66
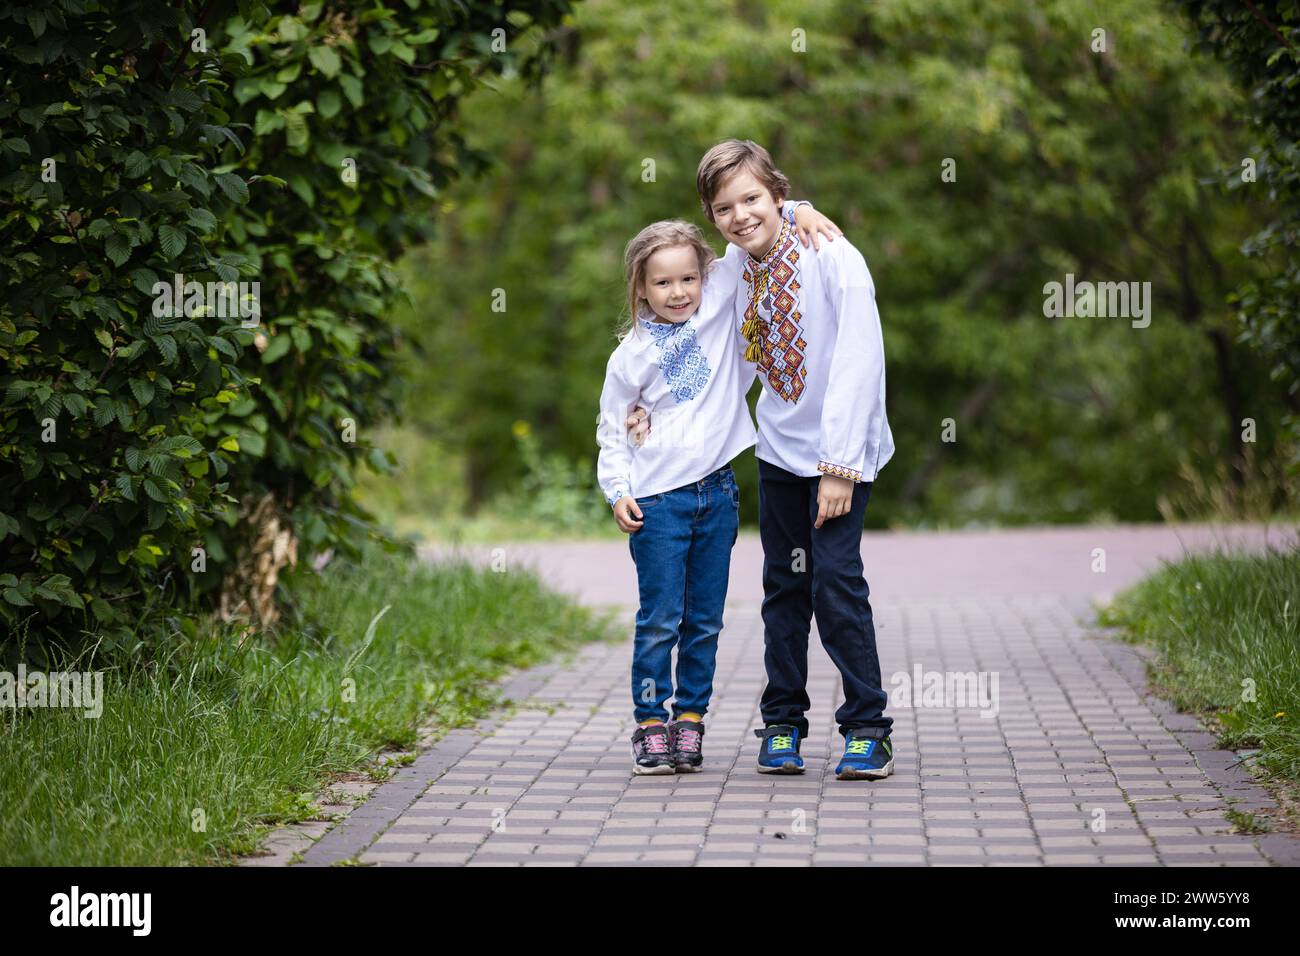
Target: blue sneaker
x,y
865,758
780,750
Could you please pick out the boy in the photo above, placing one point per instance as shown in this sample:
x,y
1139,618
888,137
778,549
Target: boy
x,y
810,320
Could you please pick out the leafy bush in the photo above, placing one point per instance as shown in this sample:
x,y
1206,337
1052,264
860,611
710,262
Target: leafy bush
x,y
220,142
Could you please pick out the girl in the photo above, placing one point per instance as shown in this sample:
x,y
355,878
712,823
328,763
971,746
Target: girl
x,y
681,357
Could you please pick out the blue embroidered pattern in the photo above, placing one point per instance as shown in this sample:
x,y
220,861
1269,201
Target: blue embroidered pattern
x,y
681,360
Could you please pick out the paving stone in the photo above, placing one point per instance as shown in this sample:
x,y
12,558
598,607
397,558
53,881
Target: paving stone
x,y
1076,731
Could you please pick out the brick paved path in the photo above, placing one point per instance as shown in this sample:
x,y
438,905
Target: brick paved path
x,y
1079,765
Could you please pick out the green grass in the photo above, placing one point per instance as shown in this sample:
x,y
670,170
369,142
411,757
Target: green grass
x,y
1227,626
239,737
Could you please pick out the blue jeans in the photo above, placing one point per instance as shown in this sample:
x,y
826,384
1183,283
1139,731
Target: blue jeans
x,y
682,553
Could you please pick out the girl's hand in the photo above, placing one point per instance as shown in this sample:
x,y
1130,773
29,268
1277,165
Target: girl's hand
x,y
638,426
808,222
628,515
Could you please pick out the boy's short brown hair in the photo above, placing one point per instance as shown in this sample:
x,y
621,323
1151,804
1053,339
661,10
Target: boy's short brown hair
x,y
726,158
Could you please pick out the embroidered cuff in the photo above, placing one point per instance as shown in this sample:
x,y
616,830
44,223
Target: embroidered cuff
x,y
839,471
614,500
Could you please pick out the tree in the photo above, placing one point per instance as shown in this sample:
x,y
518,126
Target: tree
x,y
1258,41
1070,152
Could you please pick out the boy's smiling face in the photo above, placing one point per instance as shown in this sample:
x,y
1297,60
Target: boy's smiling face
x,y
746,213
672,283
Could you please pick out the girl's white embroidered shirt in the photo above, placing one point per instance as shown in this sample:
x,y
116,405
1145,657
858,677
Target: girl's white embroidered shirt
x,y
822,410
692,377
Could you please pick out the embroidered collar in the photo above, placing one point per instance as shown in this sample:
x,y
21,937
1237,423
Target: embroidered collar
x,y
777,245
659,329
662,330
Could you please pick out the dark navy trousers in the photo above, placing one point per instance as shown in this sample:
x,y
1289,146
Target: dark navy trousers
x,y
817,572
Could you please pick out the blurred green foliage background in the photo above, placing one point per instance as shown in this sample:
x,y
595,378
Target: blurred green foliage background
x,y
1115,156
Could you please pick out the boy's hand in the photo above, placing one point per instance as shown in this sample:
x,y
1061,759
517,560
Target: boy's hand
x,y
628,515
834,498
808,222
638,426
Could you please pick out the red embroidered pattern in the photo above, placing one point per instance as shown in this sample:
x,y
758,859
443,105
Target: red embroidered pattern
x,y
839,471
773,297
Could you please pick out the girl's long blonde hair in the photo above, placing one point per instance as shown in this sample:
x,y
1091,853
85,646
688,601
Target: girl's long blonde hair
x,y
651,239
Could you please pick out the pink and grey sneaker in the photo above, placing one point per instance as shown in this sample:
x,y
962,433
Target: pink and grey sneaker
x,y
652,751
688,745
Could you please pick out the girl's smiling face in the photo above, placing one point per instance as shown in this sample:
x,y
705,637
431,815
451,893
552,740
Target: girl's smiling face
x,y
672,283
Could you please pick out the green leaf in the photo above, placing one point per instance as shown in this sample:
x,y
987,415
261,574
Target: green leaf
x,y
216,134
172,241
118,248
328,104
226,273
155,491
76,405
137,164
223,346
278,347
296,133
182,446
268,121
234,187
326,60
202,220
352,90
144,280
195,178
303,189
166,346
247,88
143,390
252,443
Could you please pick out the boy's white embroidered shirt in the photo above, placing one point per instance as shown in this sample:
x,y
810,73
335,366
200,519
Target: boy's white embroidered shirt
x,y
692,377
822,410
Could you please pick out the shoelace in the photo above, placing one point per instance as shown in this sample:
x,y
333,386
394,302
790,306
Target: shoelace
x,y
688,739
655,743
782,742
859,746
